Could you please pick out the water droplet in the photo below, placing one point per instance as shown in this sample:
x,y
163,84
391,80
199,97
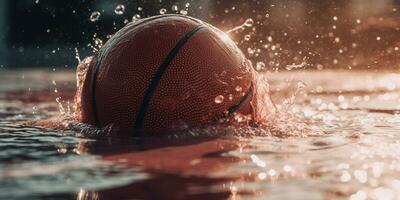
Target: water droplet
x,y
249,22
120,9
335,18
219,99
250,51
301,85
163,11
174,8
98,42
139,8
36,1
94,16
135,18
378,38
183,12
260,66
238,88
77,55
247,37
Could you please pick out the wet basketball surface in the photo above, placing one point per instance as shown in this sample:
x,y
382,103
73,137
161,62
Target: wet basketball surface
x,y
356,157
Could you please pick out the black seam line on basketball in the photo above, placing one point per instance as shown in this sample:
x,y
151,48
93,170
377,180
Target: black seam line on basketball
x,y
96,71
242,102
157,76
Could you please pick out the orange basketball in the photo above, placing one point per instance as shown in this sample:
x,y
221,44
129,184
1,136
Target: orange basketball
x,y
165,73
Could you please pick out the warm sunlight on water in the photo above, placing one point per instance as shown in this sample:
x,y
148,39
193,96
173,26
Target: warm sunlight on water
x,y
356,157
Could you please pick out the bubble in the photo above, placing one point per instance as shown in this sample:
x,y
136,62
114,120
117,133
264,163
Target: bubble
x,y
36,1
248,23
219,99
120,9
260,66
335,18
174,8
139,8
378,38
238,88
95,16
247,37
136,18
163,11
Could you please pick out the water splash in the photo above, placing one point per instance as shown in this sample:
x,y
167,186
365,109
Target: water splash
x,y
247,24
78,58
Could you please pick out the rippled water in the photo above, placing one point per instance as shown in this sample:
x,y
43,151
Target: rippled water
x,y
357,156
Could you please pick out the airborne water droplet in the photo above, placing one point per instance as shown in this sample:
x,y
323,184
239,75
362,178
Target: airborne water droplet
x,y
183,12
94,16
260,66
163,11
174,8
98,43
120,9
219,99
301,85
136,18
249,22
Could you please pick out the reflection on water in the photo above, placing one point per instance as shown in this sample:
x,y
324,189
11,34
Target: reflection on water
x,y
356,156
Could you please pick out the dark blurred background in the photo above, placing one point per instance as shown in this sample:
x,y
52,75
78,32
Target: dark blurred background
x,y
286,34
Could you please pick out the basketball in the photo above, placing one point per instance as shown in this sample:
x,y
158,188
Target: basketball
x,y
165,73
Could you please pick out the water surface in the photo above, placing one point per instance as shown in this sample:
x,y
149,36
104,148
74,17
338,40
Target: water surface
x,y
356,156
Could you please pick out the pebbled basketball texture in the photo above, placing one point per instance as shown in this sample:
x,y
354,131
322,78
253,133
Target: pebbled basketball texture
x,y
165,73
